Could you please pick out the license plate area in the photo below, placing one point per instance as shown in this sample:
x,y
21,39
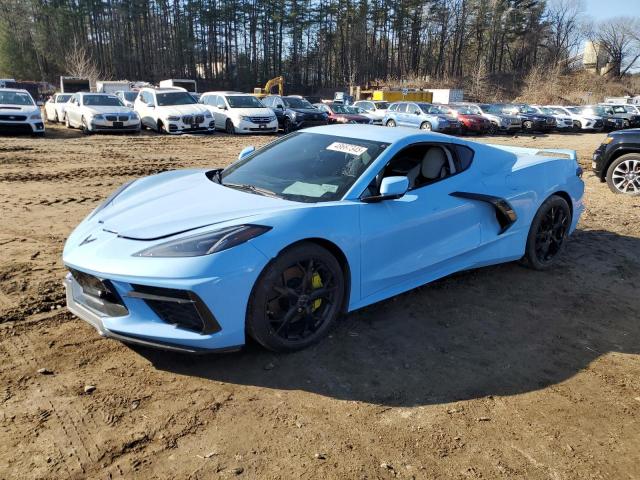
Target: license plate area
x,y
118,124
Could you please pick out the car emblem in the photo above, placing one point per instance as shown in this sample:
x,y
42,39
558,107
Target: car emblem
x,y
12,117
89,239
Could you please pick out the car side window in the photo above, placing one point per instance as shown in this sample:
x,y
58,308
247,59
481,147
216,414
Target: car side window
x,y
393,107
402,108
267,101
423,164
413,109
220,103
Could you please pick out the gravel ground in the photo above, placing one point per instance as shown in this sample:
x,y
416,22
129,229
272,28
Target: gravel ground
x,y
500,372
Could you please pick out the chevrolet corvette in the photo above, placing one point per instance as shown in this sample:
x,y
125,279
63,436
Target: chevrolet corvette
x,y
321,222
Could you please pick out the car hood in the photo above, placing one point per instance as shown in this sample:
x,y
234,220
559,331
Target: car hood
x,y
252,112
100,109
175,202
17,109
305,110
182,109
352,116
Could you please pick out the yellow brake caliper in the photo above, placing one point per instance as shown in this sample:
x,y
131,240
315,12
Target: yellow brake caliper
x,y
316,283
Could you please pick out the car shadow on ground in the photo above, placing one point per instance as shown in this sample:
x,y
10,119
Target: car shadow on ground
x,y
500,330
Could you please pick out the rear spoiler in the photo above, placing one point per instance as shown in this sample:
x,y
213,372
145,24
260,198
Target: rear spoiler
x,y
543,152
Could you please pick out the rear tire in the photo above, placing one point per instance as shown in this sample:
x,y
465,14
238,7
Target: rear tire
x,y
577,126
287,127
296,299
66,121
527,126
548,233
85,127
425,126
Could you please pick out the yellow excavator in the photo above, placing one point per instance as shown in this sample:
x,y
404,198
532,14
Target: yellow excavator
x,y
269,86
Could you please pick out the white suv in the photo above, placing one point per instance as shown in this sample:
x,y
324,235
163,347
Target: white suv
x,y
580,121
236,112
19,113
172,110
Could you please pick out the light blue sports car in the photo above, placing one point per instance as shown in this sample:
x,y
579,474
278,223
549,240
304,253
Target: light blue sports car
x,y
321,222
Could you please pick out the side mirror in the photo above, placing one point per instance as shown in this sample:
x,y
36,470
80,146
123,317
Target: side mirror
x,y
417,112
246,151
391,188
280,107
150,104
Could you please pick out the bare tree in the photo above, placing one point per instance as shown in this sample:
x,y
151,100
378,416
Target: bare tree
x,y
618,37
565,33
80,64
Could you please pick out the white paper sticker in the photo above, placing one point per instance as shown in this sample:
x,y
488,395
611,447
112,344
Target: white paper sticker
x,y
347,148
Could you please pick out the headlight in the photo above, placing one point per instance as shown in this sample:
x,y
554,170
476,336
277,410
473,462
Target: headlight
x,y
245,118
36,115
341,120
173,118
607,141
110,199
134,116
98,117
205,243
207,114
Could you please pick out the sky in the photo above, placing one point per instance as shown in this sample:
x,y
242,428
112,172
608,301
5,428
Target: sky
x,y
601,9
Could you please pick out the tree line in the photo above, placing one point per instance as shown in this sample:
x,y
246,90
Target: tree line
x,y
314,43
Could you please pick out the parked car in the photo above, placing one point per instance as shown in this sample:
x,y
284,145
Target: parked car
x,y
563,121
500,120
54,107
581,121
236,112
470,118
295,112
424,116
341,113
19,113
375,108
532,120
127,97
610,119
617,161
172,110
98,112
631,118
197,260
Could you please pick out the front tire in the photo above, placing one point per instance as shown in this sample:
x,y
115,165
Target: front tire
x,y
577,126
391,123
296,299
527,126
425,126
623,175
548,233
85,127
229,127
287,127
66,121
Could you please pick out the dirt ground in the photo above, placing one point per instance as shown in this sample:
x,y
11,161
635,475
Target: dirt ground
x,y
501,372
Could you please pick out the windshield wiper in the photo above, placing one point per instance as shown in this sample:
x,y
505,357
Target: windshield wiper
x,y
252,189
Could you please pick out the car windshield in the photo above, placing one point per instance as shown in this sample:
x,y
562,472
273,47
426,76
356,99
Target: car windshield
x,y
337,108
174,98
619,109
304,167
508,109
130,96
382,105
494,109
101,101
528,109
547,111
62,98
244,101
558,111
15,98
574,109
595,110
293,102
428,108
468,110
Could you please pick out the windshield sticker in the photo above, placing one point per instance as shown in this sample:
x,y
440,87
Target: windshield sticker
x,y
309,189
347,148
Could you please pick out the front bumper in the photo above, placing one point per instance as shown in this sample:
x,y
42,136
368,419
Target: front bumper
x,y
298,124
115,126
27,126
597,161
245,126
178,127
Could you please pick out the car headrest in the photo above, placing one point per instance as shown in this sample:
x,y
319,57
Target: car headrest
x,y
433,163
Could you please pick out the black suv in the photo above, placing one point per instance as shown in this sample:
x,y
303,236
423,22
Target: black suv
x,y
295,112
617,161
532,120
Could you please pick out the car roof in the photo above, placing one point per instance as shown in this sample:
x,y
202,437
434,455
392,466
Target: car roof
x,y
227,92
376,133
104,94
17,90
